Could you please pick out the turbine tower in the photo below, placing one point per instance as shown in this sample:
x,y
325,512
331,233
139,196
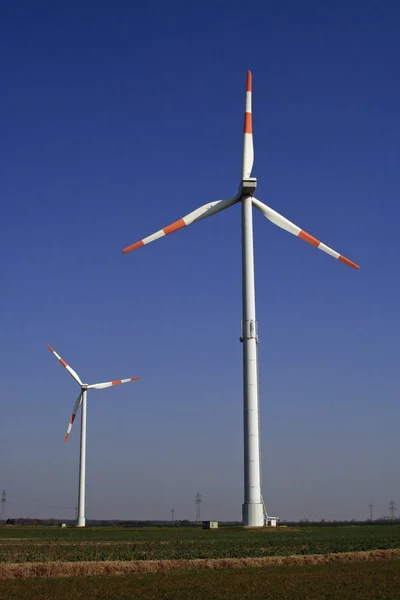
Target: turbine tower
x,y
252,508
81,402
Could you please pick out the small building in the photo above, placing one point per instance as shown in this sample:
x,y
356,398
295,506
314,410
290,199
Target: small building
x,y
62,525
210,524
270,522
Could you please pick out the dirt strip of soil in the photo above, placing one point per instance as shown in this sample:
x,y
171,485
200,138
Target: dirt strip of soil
x,y
83,569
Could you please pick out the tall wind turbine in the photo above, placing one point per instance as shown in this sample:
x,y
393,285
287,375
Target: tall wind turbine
x,y
252,508
81,402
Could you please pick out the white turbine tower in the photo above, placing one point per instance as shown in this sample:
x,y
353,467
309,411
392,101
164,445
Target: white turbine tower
x,y
252,509
81,401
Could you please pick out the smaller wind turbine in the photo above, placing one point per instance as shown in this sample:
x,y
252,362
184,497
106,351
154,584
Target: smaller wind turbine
x,y
81,401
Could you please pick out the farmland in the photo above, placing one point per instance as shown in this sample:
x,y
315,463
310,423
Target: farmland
x,y
39,544
151,563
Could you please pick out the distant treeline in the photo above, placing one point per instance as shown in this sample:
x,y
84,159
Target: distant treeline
x,y
109,523
326,523
187,523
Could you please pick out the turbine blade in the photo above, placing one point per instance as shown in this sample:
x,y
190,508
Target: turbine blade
x,y
74,413
100,386
207,210
64,364
248,147
283,223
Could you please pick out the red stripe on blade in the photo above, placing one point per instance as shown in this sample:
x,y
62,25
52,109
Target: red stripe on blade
x,y
348,262
133,247
64,364
116,382
309,238
174,226
249,82
50,348
73,419
248,126
134,378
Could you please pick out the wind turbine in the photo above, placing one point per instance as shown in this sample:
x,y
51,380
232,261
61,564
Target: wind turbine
x,y
81,401
252,508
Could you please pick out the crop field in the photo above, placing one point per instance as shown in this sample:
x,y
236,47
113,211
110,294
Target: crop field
x,y
40,544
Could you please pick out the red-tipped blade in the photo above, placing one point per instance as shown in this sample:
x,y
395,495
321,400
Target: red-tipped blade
x,y
100,386
74,413
207,210
64,364
248,146
287,225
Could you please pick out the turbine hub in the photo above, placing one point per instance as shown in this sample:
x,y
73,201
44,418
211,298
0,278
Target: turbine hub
x,y
247,187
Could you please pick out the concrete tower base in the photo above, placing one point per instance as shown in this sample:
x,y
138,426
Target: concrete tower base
x,y
253,515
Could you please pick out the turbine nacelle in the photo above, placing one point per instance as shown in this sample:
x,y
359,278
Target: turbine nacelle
x,y
247,187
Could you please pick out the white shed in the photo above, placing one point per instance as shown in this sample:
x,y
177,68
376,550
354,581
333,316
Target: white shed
x,y
270,522
210,524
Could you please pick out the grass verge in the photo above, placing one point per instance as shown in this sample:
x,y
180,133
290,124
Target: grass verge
x,y
113,568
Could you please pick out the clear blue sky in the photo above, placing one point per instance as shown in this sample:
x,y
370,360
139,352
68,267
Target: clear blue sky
x,y
117,118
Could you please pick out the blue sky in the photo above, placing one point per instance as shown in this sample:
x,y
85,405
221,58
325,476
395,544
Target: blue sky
x,y
117,118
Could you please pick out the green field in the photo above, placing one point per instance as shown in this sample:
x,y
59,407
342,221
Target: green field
x,y
40,544
365,581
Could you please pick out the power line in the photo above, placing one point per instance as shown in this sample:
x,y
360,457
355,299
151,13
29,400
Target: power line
x,y
31,504
198,501
370,510
3,507
172,514
392,509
